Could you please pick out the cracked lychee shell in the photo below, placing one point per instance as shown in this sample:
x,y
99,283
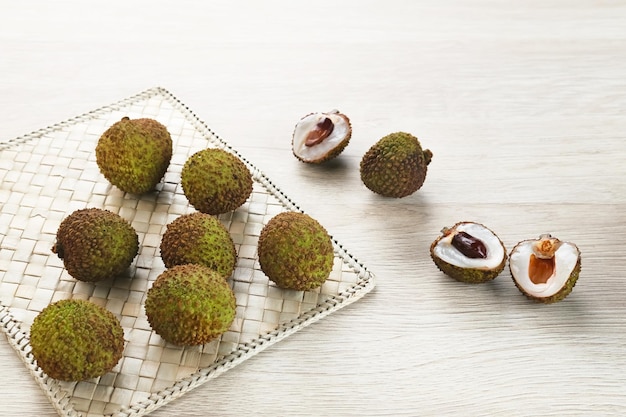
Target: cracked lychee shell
x,y
469,252
318,137
545,269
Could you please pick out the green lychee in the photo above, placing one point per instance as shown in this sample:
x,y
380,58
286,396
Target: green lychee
x,y
395,166
74,340
190,305
216,181
134,154
95,244
199,238
295,251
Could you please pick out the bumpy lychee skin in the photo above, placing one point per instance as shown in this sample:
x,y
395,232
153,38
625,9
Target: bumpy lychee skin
x,y
395,166
134,154
216,181
190,305
95,244
199,238
75,340
295,251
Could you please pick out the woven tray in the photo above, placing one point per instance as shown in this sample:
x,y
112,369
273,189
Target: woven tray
x,y
46,175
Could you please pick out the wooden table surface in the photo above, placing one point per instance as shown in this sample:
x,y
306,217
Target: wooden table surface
x,y
523,105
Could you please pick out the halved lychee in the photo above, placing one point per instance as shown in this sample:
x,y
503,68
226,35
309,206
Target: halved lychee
x,y
469,252
319,137
545,269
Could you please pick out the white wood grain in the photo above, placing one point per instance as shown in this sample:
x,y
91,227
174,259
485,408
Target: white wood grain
x,y
523,106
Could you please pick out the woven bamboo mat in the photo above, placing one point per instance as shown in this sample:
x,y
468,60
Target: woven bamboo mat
x,y
47,174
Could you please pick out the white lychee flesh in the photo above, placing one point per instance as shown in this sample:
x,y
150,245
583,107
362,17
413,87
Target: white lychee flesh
x,y
341,130
448,253
566,258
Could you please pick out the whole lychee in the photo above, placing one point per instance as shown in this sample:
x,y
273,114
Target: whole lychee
x,y
199,238
95,244
295,251
395,166
216,181
74,340
134,154
190,305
